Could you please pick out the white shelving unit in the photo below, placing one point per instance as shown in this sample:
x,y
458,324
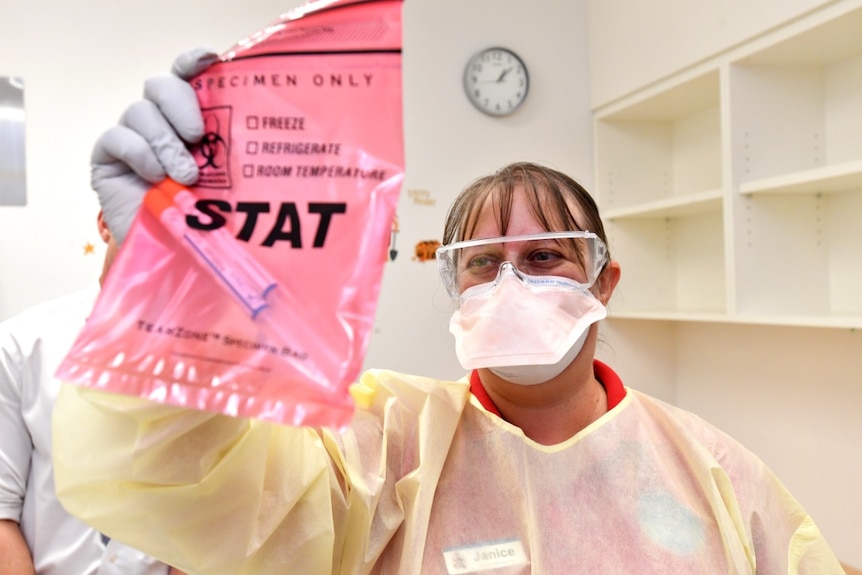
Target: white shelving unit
x,y
660,186
733,190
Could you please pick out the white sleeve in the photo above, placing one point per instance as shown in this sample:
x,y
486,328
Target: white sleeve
x,y
120,559
16,445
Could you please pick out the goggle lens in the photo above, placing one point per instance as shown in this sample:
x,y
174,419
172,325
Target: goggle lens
x,y
579,256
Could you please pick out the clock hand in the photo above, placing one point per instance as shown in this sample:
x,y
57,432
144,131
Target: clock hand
x,y
503,74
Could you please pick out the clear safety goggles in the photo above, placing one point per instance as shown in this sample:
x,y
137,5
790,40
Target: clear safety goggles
x,y
579,256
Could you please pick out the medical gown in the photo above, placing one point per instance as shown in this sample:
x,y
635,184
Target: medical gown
x,y
426,480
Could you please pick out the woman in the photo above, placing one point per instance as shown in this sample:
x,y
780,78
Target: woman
x,y
539,461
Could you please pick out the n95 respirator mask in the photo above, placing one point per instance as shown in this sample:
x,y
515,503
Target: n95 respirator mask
x,y
527,329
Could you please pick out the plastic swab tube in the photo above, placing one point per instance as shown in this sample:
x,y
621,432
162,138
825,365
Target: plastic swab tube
x,y
276,310
212,258
185,200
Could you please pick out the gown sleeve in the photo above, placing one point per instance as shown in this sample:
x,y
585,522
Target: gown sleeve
x,y
228,496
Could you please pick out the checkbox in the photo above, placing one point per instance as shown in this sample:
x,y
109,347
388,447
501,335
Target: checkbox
x,y
248,170
251,148
252,122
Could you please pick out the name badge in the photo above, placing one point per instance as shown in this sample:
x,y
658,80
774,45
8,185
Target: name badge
x,y
484,556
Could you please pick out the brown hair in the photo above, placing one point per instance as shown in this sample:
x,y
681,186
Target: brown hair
x,y
550,193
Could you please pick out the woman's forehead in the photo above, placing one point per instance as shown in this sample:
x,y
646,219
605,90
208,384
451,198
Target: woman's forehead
x,y
521,216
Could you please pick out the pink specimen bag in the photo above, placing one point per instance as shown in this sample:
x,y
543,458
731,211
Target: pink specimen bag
x,y
253,293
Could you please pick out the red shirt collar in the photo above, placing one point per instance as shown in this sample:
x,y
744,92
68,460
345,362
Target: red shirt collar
x,y
607,377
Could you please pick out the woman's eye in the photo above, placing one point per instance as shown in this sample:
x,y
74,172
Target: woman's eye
x,y
479,262
544,257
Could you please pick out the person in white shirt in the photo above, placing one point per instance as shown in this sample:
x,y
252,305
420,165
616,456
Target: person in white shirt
x,y
37,535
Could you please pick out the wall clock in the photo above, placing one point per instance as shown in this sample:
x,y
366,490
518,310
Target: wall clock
x,y
496,81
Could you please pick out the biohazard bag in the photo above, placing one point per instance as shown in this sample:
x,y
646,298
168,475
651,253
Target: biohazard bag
x,y
253,293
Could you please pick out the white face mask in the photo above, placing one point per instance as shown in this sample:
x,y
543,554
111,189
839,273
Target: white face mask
x,y
540,373
527,328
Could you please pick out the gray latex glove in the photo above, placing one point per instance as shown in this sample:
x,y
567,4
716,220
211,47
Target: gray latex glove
x,y
149,143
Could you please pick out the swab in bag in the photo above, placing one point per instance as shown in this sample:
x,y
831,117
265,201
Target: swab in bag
x,y
253,293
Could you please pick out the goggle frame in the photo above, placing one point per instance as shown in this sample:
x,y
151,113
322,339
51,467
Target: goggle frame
x,y
449,273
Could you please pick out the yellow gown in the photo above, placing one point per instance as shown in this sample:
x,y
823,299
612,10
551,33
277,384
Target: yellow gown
x,y
426,480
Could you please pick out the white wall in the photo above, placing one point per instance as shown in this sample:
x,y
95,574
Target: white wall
x,y
82,63
634,43
449,143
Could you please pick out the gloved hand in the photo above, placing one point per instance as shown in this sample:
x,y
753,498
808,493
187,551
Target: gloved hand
x,y
149,143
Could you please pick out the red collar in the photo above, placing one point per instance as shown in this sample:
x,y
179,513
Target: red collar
x,y
607,377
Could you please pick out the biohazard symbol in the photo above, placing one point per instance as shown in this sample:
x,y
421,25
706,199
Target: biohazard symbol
x,y
212,154
213,148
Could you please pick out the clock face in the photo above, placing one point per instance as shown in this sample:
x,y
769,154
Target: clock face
x,y
496,81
